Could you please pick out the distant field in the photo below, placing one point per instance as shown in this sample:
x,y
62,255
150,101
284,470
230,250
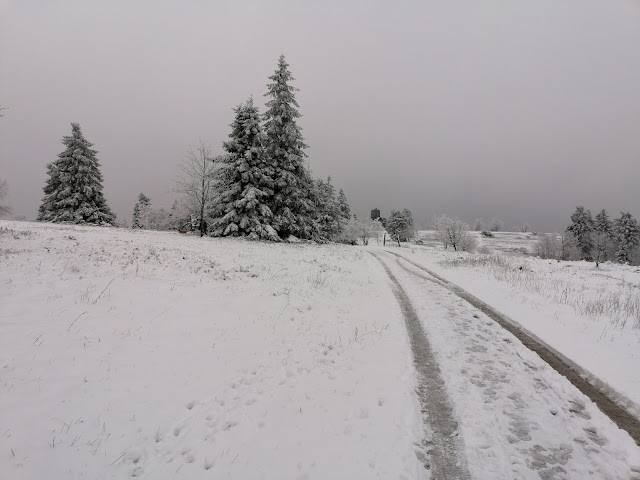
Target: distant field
x,y
512,243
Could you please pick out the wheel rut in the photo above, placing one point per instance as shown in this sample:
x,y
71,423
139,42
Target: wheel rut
x,y
442,447
573,373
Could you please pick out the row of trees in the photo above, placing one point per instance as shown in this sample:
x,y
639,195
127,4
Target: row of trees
x,y
599,239
260,187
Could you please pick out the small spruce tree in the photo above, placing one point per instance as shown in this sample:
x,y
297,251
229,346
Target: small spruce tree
x,y
140,211
73,192
327,213
582,228
627,234
343,205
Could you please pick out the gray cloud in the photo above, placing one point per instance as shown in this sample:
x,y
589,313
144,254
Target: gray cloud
x,y
520,110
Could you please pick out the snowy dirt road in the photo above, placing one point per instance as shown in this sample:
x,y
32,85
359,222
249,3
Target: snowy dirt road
x,y
517,417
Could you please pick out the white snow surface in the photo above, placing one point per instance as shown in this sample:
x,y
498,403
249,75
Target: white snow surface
x,y
139,354
560,303
518,418
157,355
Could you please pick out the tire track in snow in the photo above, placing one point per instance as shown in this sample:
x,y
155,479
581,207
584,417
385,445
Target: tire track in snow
x,y
563,366
442,443
518,418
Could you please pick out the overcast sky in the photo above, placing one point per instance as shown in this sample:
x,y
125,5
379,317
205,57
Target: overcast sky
x,y
476,108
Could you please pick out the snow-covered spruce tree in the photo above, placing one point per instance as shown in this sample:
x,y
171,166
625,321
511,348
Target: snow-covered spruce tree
x,y
602,223
602,237
292,201
327,212
627,234
343,205
139,211
73,192
582,228
244,181
400,225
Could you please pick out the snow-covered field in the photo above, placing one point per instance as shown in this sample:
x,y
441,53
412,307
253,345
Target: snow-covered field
x,y
152,354
158,355
590,315
509,243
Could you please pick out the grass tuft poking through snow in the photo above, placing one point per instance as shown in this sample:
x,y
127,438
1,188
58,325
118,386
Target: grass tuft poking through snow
x,y
619,305
591,315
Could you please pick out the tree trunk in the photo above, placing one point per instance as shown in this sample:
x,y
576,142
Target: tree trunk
x,y
202,219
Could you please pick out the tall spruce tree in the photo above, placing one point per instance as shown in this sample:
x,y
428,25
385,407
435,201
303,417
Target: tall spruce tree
x,y
627,234
292,201
73,192
581,228
244,181
140,210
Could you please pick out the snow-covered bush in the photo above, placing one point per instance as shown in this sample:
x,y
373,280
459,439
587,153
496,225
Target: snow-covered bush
x,y
453,232
547,246
484,250
355,231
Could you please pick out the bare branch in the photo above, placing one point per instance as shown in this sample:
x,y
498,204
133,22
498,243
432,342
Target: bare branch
x,y
195,180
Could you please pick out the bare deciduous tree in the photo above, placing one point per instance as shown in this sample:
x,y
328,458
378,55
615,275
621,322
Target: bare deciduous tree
x,y
569,248
548,246
196,181
452,231
4,191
